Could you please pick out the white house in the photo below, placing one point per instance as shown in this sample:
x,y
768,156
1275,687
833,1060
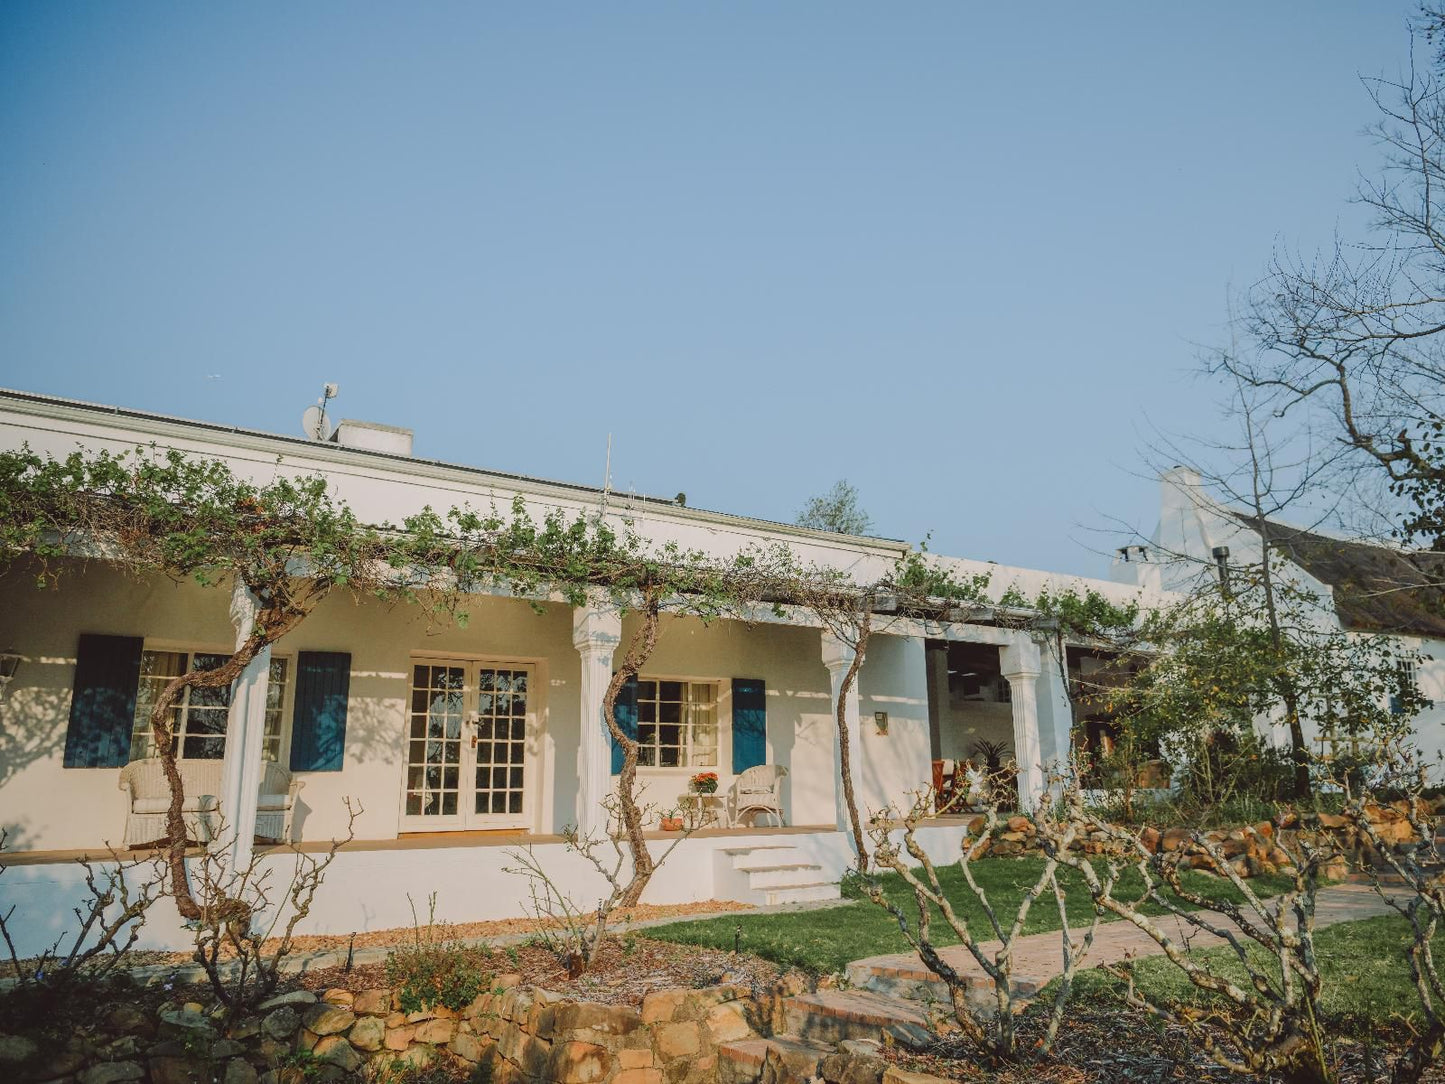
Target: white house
x,y
461,743
1367,588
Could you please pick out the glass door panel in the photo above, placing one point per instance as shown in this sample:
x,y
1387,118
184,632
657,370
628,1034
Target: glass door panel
x,y
501,750
434,744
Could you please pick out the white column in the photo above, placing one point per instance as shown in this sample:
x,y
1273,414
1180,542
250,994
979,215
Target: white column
x,y
245,729
596,632
1056,718
1021,666
837,657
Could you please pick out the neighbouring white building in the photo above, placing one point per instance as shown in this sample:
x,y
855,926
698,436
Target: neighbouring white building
x,y
461,743
1366,588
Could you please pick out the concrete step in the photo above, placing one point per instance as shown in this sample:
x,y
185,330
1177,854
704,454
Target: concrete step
x,y
903,975
742,1062
830,1016
784,876
803,893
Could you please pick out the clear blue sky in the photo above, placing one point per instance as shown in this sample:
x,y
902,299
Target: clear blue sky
x,y
959,253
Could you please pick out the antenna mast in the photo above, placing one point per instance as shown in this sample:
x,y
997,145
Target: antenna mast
x,y
607,475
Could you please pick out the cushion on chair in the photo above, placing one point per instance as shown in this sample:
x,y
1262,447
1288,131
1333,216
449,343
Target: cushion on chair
x,y
194,803
273,801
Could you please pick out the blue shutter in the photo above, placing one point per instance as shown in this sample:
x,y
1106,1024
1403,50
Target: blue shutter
x,y
625,712
750,723
318,725
102,701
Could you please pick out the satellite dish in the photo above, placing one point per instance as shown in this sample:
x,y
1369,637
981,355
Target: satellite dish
x,y
313,423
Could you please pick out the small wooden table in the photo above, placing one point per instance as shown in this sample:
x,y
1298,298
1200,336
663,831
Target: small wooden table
x,y
704,810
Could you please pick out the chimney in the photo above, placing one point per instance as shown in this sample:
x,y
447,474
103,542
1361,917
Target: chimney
x,y
373,437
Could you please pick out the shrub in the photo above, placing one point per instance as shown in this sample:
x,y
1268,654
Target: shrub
x,y
436,969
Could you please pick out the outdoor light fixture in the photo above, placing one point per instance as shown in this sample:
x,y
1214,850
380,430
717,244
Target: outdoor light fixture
x,y
9,663
880,720
1221,558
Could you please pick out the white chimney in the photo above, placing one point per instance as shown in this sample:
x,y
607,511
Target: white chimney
x,y
373,437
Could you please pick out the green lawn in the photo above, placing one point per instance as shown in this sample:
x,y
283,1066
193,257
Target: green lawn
x,y
825,941
1366,974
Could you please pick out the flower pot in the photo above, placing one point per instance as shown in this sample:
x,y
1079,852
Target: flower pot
x,y
672,824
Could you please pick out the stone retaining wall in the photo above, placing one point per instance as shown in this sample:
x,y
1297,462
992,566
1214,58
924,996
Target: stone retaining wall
x,y
520,1034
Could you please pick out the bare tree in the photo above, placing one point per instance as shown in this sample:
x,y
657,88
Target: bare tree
x,y
992,1028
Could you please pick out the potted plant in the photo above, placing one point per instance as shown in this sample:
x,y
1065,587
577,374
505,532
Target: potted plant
x,y
703,783
671,820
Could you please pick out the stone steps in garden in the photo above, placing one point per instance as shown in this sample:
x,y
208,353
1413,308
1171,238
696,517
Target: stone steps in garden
x,y
742,1062
769,875
903,975
831,1016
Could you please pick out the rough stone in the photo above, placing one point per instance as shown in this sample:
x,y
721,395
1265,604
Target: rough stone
x,y
729,1022
591,1016
894,1075
436,1032
419,1057
638,1076
846,1068
177,1070
635,1059
227,1048
188,1026
368,1033
399,1038
281,1023
16,1048
335,1050
239,1071
291,997
246,1028
678,1040
327,1019
467,1047
507,981
661,1006
112,1072
131,1018
337,996
578,1063
61,1064
373,1002
306,1039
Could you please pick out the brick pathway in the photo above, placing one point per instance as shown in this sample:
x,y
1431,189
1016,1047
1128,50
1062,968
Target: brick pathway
x,y
1037,957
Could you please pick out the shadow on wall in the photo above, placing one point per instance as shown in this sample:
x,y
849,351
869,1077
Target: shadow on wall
x,y
32,725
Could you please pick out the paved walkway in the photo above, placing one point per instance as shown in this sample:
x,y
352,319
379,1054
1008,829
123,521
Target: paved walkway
x,y
1037,956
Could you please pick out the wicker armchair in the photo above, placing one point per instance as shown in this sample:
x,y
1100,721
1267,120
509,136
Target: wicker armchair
x,y
144,783
757,790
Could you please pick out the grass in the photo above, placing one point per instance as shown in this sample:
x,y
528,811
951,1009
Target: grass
x,y
826,941
1363,964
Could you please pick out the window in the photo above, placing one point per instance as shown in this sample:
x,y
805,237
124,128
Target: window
x,y
1405,685
676,723
199,717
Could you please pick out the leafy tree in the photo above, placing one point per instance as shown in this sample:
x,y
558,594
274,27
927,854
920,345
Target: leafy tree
x,y
837,510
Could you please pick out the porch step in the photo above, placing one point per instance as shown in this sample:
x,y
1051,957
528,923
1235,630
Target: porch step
x,y
830,1016
903,975
794,1060
770,874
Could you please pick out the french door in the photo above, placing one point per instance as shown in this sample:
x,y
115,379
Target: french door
x,y
470,728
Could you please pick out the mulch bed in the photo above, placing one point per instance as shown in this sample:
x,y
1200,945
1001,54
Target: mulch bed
x,y
625,971
1116,1045
406,935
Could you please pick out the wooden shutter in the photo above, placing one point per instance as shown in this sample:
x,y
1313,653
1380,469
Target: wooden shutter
x,y
318,724
102,701
750,723
625,712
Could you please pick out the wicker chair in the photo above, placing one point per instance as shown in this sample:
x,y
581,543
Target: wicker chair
x,y
757,790
144,783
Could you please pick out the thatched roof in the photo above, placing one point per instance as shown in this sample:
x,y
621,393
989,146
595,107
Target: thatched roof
x,y
1376,588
